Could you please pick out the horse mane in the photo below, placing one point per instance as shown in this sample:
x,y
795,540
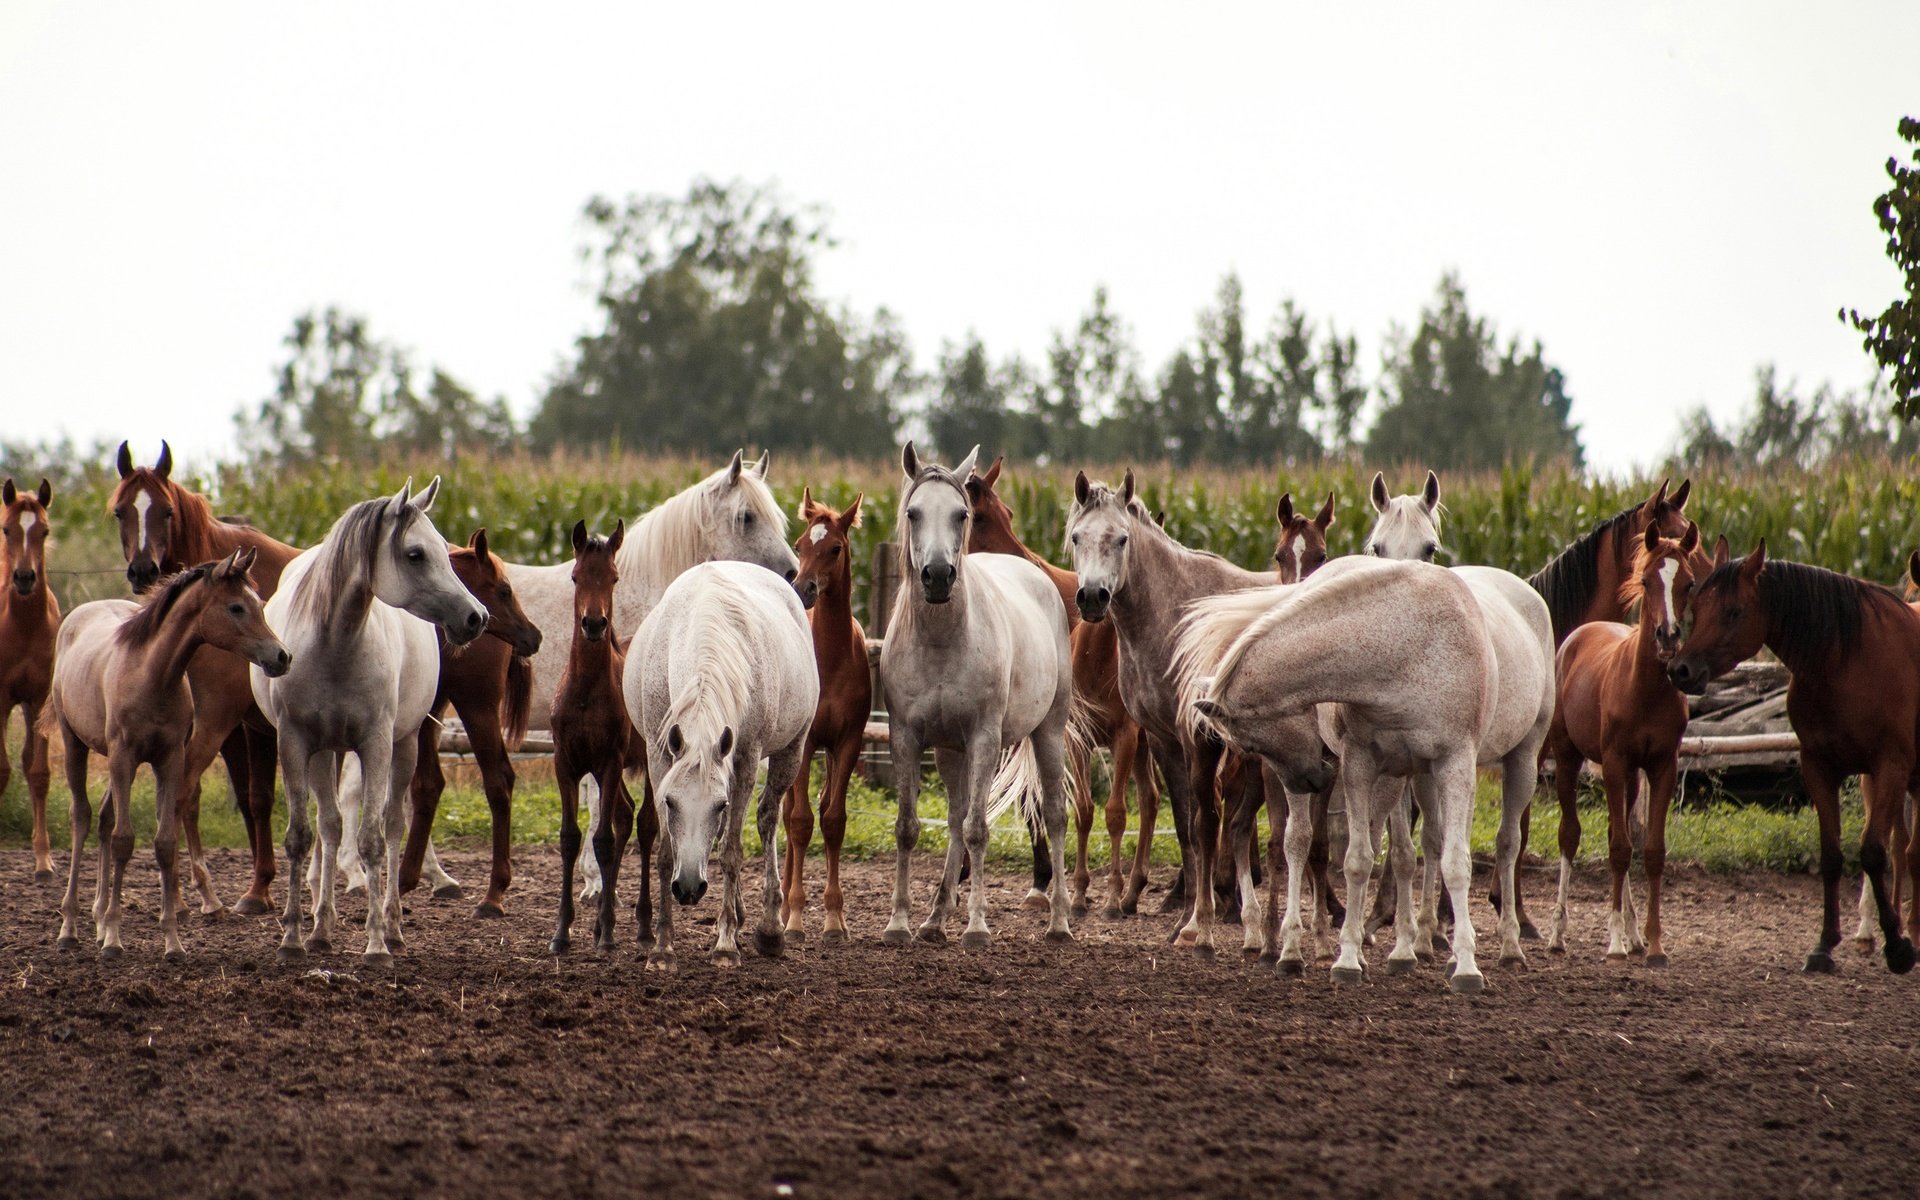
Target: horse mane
x,y
1633,588
140,628
673,536
721,688
344,556
1211,640
1810,609
1568,582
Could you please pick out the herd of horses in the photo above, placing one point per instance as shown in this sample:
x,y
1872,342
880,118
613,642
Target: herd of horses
x,y
696,646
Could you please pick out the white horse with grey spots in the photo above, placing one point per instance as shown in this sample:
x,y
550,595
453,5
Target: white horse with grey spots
x,y
358,612
719,677
977,663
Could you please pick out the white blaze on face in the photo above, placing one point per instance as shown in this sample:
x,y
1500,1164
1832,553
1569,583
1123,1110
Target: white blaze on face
x,y
1668,570
141,503
1299,559
27,521
819,532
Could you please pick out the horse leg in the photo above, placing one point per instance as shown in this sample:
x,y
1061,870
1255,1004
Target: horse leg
x,y
833,831
103,876
296,766
1823,787
325,877
1048,744
565,775
1126,742
1242,834
784,769
1275,793
1620,780
376,755
726,947
1432,846
352,793
1517,775
905,751
1172,760
1298,840
1385,901
399,778
1080,773
798,817
962,799
36,763
79,821
1636,835
1452,780
1400,865
497,777
230,745
1358,774
263,756
647,828
1328,910
120,768
975,768
660,957
589,869
610,838
168,774
1566,785
1147,788
423,791
1660,781
1203,775
1886,792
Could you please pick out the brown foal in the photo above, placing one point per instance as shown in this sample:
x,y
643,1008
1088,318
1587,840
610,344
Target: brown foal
x,y
29,619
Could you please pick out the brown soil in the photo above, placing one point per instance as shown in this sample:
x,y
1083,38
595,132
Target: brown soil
x,y
1109,1067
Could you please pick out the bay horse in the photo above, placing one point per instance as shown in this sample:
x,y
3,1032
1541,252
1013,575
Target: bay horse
x,y
1616,707
719,677
1903,825
164,528
1301,545
593,736
825,587
1133,573
119,689
1584,582
977,662
359,612
1398,662
1096,678
1853,649
729,515
29,621
490,685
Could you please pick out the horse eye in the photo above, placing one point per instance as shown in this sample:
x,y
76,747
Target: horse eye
x,y
1122,542
835,552
913,514
1073,539
506,592
416,555
1428,550
746,518
238,610
1277,555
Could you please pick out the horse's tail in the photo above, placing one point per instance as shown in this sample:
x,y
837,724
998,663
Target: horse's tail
x,y
48,725
1018,778
517,702
1212,642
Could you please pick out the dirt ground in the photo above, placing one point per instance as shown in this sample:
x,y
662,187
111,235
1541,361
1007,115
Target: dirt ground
x,y
478,1064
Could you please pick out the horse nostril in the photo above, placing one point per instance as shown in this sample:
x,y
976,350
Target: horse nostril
x,y
474,620
792,574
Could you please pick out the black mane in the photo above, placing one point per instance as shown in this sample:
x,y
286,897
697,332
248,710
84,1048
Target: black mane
x,y
1568,583
1810,610
139,629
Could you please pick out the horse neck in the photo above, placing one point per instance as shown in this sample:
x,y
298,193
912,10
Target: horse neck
x,y
935,624
1609,572
203,537
1163,577
161,661
590,664
832,616
36,611
1646,669
657,549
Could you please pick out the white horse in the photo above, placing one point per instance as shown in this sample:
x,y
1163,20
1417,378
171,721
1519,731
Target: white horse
x,y
719,677
731,515
977,662
1520,628
355,611
1398,656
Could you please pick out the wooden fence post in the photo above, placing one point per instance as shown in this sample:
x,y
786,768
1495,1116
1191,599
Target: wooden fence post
x,y
886,585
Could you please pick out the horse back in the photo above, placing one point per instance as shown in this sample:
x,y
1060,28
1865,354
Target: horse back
x,y
1862,709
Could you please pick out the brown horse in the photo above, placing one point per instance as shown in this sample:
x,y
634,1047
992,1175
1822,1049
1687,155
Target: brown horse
x,y
1301,545
119,689
164,528
592,735
1096,677
1617,707
1898,841
1853,648
1583,582
29,619
825,584
489,683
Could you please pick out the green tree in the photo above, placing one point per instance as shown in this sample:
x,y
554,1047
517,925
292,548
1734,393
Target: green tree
x,y
1893,337
978,403
1344,394
1453,398
713,334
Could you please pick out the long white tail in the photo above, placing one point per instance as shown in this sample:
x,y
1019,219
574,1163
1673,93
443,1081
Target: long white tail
x,y
1018,778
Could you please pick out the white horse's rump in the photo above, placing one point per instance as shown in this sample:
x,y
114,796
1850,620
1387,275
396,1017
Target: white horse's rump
x,y
720,676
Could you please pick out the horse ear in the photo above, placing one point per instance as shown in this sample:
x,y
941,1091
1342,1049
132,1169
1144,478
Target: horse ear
x,y
1325,517
733,468
478,542
993,472
124,460
164,465
1283,511
806,502
579,537
725,746
1913,567
7,493
1651,538
1721,551
243,560
424,500
675,742
1081,488
1678,500
909,461
1430,495
1160,518
1659,495
1755,563
398,501
1379,492
1690,540
850,519
766,460
618,536
46,493
966,464
1126,489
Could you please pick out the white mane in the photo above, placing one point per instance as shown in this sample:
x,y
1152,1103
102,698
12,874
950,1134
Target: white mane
x,y
721,687
680,533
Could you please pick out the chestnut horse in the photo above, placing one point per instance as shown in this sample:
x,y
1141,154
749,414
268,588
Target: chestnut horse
x,y
165,528
29,619
1902,824
1583,582
1096,677
1853,648
592,735
489,683
1617,707
119,689
825,584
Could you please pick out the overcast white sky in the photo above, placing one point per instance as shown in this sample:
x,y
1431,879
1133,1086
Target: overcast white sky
x,y
1665,194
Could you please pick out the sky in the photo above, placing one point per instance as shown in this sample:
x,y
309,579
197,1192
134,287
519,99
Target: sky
x,y
1665,195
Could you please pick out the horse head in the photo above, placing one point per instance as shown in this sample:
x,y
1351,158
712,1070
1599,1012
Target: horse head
x,y
594,574
1729,625
142,505
26,526
482,573
1408,527
992,531
825,548
742,520
411,568
935,514
1099,529
693,791
1302,544
1666,571
231,618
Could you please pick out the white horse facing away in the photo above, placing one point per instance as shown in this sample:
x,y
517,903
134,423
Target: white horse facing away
x,y
731,515
358,613
1399,656
977,661
719,677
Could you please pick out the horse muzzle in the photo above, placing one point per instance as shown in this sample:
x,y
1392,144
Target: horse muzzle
x,y
526,641
1093,602
463,629
594,628
1317,779
1690,675
275,662
809,592
142,573
23,581
936,582
688,888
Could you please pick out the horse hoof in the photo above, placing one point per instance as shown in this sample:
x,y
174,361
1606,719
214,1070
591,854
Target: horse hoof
x,y
488,912
1291,967
1864,945
1400,966
1900,956
1425,956
1819,963
291,954
377,958
252,906
448,891
1267,958
1202,951
175,957
1657,960
1616,956
43,876
662,961
1346,974
1529,932
896,937
725,960
319,945
1112,912
768,945
1556,947
1467,985
1078,912
110,953
1517,961
1036,900
1059,935
831,935
933,935
559,945
975,939
796,935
